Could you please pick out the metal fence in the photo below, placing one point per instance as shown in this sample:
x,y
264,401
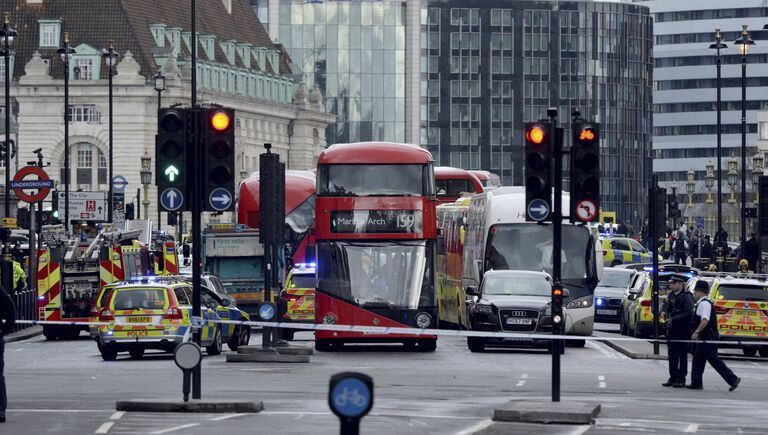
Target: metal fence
x,y
25,307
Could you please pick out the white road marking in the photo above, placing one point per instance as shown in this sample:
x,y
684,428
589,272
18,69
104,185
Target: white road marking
x,y
62,411
692,428
175,428
581,429
117,416
476,427
601,383
523,377
104,428
379,414
225,417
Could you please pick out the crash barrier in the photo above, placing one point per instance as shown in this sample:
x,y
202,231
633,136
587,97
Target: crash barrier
x,y
416,331
26,304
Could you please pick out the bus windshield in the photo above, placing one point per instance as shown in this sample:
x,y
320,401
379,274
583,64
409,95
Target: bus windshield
x,y
386,275
453,187
529,247
372,180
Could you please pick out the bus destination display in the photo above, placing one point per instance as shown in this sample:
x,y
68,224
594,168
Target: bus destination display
x,y
376,221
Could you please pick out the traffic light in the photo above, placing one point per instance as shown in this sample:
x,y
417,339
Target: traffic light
x,y
762,207
129,211
557,306
54,219
218,127
272,199
585,171
538,171
173,219
672,205
174,131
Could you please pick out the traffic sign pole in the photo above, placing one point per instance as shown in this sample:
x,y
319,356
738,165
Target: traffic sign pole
x,y
197,212
557,221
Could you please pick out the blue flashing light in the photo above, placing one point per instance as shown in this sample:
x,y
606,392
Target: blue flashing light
x,y
109,332
599,302
40,298
305,265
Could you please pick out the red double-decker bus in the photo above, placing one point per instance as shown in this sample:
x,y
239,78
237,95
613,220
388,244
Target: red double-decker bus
x,y
452,183
376,228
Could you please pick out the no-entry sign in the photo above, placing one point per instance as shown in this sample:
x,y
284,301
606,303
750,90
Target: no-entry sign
x,y
43,184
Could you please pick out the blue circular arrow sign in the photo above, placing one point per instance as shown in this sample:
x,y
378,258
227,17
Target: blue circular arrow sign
x,y
171,199
220,199
351,397
538,210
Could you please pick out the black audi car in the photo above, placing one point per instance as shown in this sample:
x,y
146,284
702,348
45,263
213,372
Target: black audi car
x,y
511,301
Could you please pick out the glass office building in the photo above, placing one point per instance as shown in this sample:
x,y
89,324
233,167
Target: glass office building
x,y
461,77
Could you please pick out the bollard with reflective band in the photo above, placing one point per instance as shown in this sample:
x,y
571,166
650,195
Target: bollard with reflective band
x,y
350,397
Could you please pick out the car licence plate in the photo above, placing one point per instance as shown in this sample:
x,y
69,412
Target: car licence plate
x,y
608,312
744,312
138,319
513,321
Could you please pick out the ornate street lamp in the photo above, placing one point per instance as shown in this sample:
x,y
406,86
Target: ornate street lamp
x,y
757,172
743,44
716,47
146,178
7,35
159,82
709,180
110,57
733,177
65,53
690,186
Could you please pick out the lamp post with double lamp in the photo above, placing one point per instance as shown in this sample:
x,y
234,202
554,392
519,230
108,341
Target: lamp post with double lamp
x,y
690,187
757,171
743,44
709,182
159,81
146,178
716,47
110,57
7,35
65,53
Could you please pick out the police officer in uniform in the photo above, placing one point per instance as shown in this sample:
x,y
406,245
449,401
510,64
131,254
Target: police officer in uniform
x,y
677,313
705,328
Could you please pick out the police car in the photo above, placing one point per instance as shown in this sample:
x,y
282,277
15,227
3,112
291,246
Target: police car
x,y
623,250
297,299
741,305
149,314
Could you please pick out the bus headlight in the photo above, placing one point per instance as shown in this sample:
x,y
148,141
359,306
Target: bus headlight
x,y
584,302
329,319
423,320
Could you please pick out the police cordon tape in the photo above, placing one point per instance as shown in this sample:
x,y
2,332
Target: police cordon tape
x,y
386,330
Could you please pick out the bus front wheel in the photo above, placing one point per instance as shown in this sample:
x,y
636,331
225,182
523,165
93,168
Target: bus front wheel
x,y
325,345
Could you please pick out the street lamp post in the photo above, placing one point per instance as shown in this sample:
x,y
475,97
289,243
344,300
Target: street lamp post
x,y
733,178
743,43
716,47
159,82
66,52
757,171
709,180
690,186
7,35
110,57
146,178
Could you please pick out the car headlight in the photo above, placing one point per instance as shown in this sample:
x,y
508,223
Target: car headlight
x,y
423,320
484,309
548,311
584,302
329,319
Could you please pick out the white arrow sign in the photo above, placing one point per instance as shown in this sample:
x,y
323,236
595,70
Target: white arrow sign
x,y
171,199
220,199
540,209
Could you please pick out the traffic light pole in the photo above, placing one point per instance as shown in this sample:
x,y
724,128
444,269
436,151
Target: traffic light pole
x,y
653,233
196,208
557,221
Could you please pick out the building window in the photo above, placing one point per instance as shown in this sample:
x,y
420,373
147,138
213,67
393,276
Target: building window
x,y
84,174
84,113
49,34
83,69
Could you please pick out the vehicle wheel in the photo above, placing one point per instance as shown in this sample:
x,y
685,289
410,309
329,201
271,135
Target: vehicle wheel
x,y
108,354
475,344
575,343
287,334
324,345
764,351
749,351
215,347
622,326
615,263
136,353
50,332
241,338
638,332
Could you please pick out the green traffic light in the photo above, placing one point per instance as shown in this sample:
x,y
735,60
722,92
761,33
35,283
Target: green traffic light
x,y
171,172
56,214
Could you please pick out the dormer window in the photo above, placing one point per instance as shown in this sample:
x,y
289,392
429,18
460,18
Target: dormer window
x,y
83,69
49,33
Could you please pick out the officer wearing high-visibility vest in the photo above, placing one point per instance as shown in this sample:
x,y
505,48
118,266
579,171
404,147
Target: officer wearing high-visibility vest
x,y
19,277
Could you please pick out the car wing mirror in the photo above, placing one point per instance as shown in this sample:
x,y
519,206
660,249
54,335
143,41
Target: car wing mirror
x,y
632,296
226,302
472,291
566,293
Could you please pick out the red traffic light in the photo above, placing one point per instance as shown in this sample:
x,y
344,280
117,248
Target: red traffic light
x,y
536,134
220,121
588,135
